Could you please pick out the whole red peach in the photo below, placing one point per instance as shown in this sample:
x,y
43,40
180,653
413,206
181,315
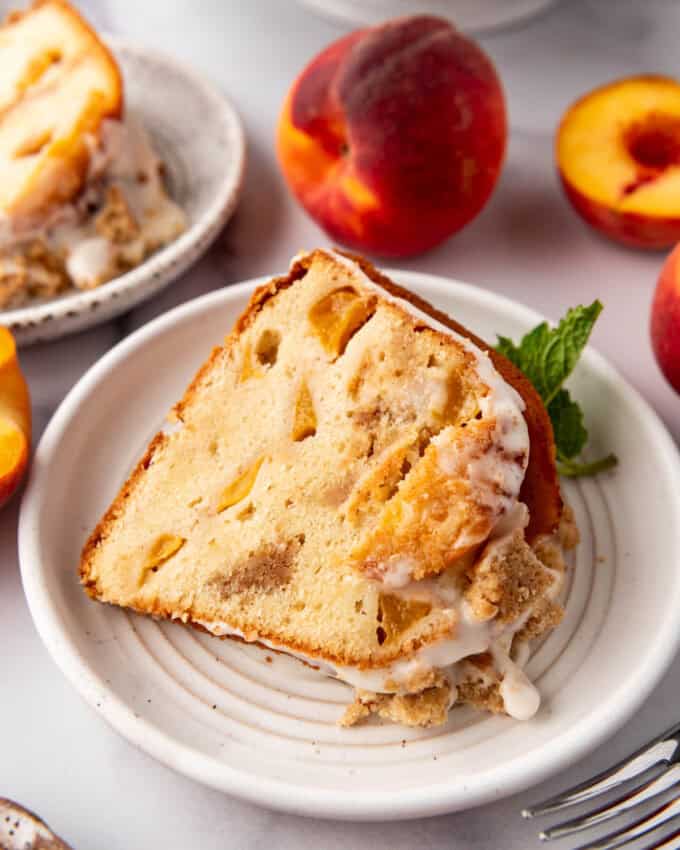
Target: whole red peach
x,y
393,137
665,324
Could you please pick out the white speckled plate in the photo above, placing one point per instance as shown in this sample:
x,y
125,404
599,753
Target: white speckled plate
x,y
204,175
262,727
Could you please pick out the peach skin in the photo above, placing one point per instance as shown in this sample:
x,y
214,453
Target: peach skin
x,y
665,319
15,418
393,137
618,155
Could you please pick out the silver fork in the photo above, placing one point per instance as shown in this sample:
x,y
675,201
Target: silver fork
x,y
661,756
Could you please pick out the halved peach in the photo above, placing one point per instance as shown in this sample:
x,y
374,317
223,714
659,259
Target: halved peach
x,y
618,155
15,418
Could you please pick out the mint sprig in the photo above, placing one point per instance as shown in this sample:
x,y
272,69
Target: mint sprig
x,y
547,357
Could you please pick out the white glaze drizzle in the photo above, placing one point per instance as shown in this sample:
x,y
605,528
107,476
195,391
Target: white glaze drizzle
x,y
472,636
496,475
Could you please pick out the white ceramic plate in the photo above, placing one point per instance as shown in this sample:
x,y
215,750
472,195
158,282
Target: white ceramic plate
x,y
472,16
264,730
199,137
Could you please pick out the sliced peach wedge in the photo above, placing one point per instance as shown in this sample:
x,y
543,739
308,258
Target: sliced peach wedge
x,y
618,155
15,418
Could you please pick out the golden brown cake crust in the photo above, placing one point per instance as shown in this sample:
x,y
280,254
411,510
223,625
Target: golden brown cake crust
x,y
102,528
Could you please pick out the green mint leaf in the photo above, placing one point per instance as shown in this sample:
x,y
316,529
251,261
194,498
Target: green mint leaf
x,y
564,346
508,348
531,349
567,419
573,469
547,357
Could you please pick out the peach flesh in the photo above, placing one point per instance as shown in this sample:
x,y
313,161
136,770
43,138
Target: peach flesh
x,y
654,143
618,154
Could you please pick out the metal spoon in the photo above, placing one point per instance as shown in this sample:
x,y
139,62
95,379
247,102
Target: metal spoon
x,y
22,830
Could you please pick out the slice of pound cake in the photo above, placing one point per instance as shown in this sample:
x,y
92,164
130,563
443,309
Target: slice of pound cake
x,y
356,480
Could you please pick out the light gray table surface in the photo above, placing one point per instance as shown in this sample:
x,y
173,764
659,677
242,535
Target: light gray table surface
x,y
61,759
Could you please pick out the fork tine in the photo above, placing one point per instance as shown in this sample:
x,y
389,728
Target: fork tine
x,y
639,794
660,750
668,842
664,814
